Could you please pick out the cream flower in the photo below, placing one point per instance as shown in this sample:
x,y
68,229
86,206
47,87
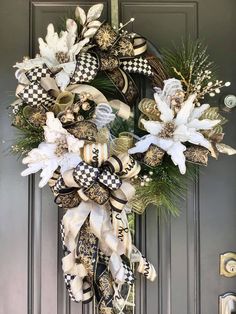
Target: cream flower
x,y
60,49
60,149
58,52
173,130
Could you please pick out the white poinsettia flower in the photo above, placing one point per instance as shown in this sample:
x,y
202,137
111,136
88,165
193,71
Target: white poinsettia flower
x,y
60,149
173,130
60,48
58,52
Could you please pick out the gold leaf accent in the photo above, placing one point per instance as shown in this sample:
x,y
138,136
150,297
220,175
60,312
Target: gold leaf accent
x,y
153,156
225,149
149,108
197,155
212,113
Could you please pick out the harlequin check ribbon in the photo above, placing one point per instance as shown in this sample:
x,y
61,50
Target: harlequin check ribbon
x,y
34,94
85,175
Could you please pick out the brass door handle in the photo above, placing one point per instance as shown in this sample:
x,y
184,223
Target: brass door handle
x,y
228,264
227,303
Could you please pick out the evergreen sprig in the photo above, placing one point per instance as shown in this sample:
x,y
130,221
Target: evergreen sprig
x,y
189,58
104,85
166,189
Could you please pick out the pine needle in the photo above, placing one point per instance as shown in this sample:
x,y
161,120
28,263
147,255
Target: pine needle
x,y
104,85
184,62
167,188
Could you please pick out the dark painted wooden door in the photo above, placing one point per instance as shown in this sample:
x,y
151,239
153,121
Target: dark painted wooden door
x,y
185,250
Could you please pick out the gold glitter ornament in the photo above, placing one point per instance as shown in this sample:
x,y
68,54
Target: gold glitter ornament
x,y
197,155
153,156
86,106
35,115
84,130
105,36
66,117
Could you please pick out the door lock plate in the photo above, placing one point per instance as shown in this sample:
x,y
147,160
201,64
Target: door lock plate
x,y
227,303
228,264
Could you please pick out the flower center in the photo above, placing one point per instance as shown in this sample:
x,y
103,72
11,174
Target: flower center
x,y
168,130
62,147
62,57
38,118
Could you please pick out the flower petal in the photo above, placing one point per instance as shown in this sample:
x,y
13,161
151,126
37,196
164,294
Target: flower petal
x,y
166,112
74,145
48,171
184,113
181,133
164,143
77,48
47,53
176,152
53,129
62,79
205,124
71,27
153,127
143,145
31,169
198,111
69,161
30,64
198,139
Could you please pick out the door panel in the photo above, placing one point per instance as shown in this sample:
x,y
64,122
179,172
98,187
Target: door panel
x,y
186,250
189,247
14,207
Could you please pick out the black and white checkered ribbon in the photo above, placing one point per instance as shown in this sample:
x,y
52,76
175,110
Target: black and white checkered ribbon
x,y
137,65
87,290
86,69
85,175
36,74
128,276
35,95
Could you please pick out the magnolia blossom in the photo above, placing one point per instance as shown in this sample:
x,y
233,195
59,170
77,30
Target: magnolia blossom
x,y
175,129
60,149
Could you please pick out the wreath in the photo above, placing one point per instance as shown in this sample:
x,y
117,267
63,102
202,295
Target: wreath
x,y
104,151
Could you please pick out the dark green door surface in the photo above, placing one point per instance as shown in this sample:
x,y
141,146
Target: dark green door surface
x,y
186,250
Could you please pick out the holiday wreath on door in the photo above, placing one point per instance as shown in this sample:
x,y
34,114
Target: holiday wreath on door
x,y
76,109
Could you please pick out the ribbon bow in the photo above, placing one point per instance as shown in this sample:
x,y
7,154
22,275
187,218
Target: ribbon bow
x,y
96,234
